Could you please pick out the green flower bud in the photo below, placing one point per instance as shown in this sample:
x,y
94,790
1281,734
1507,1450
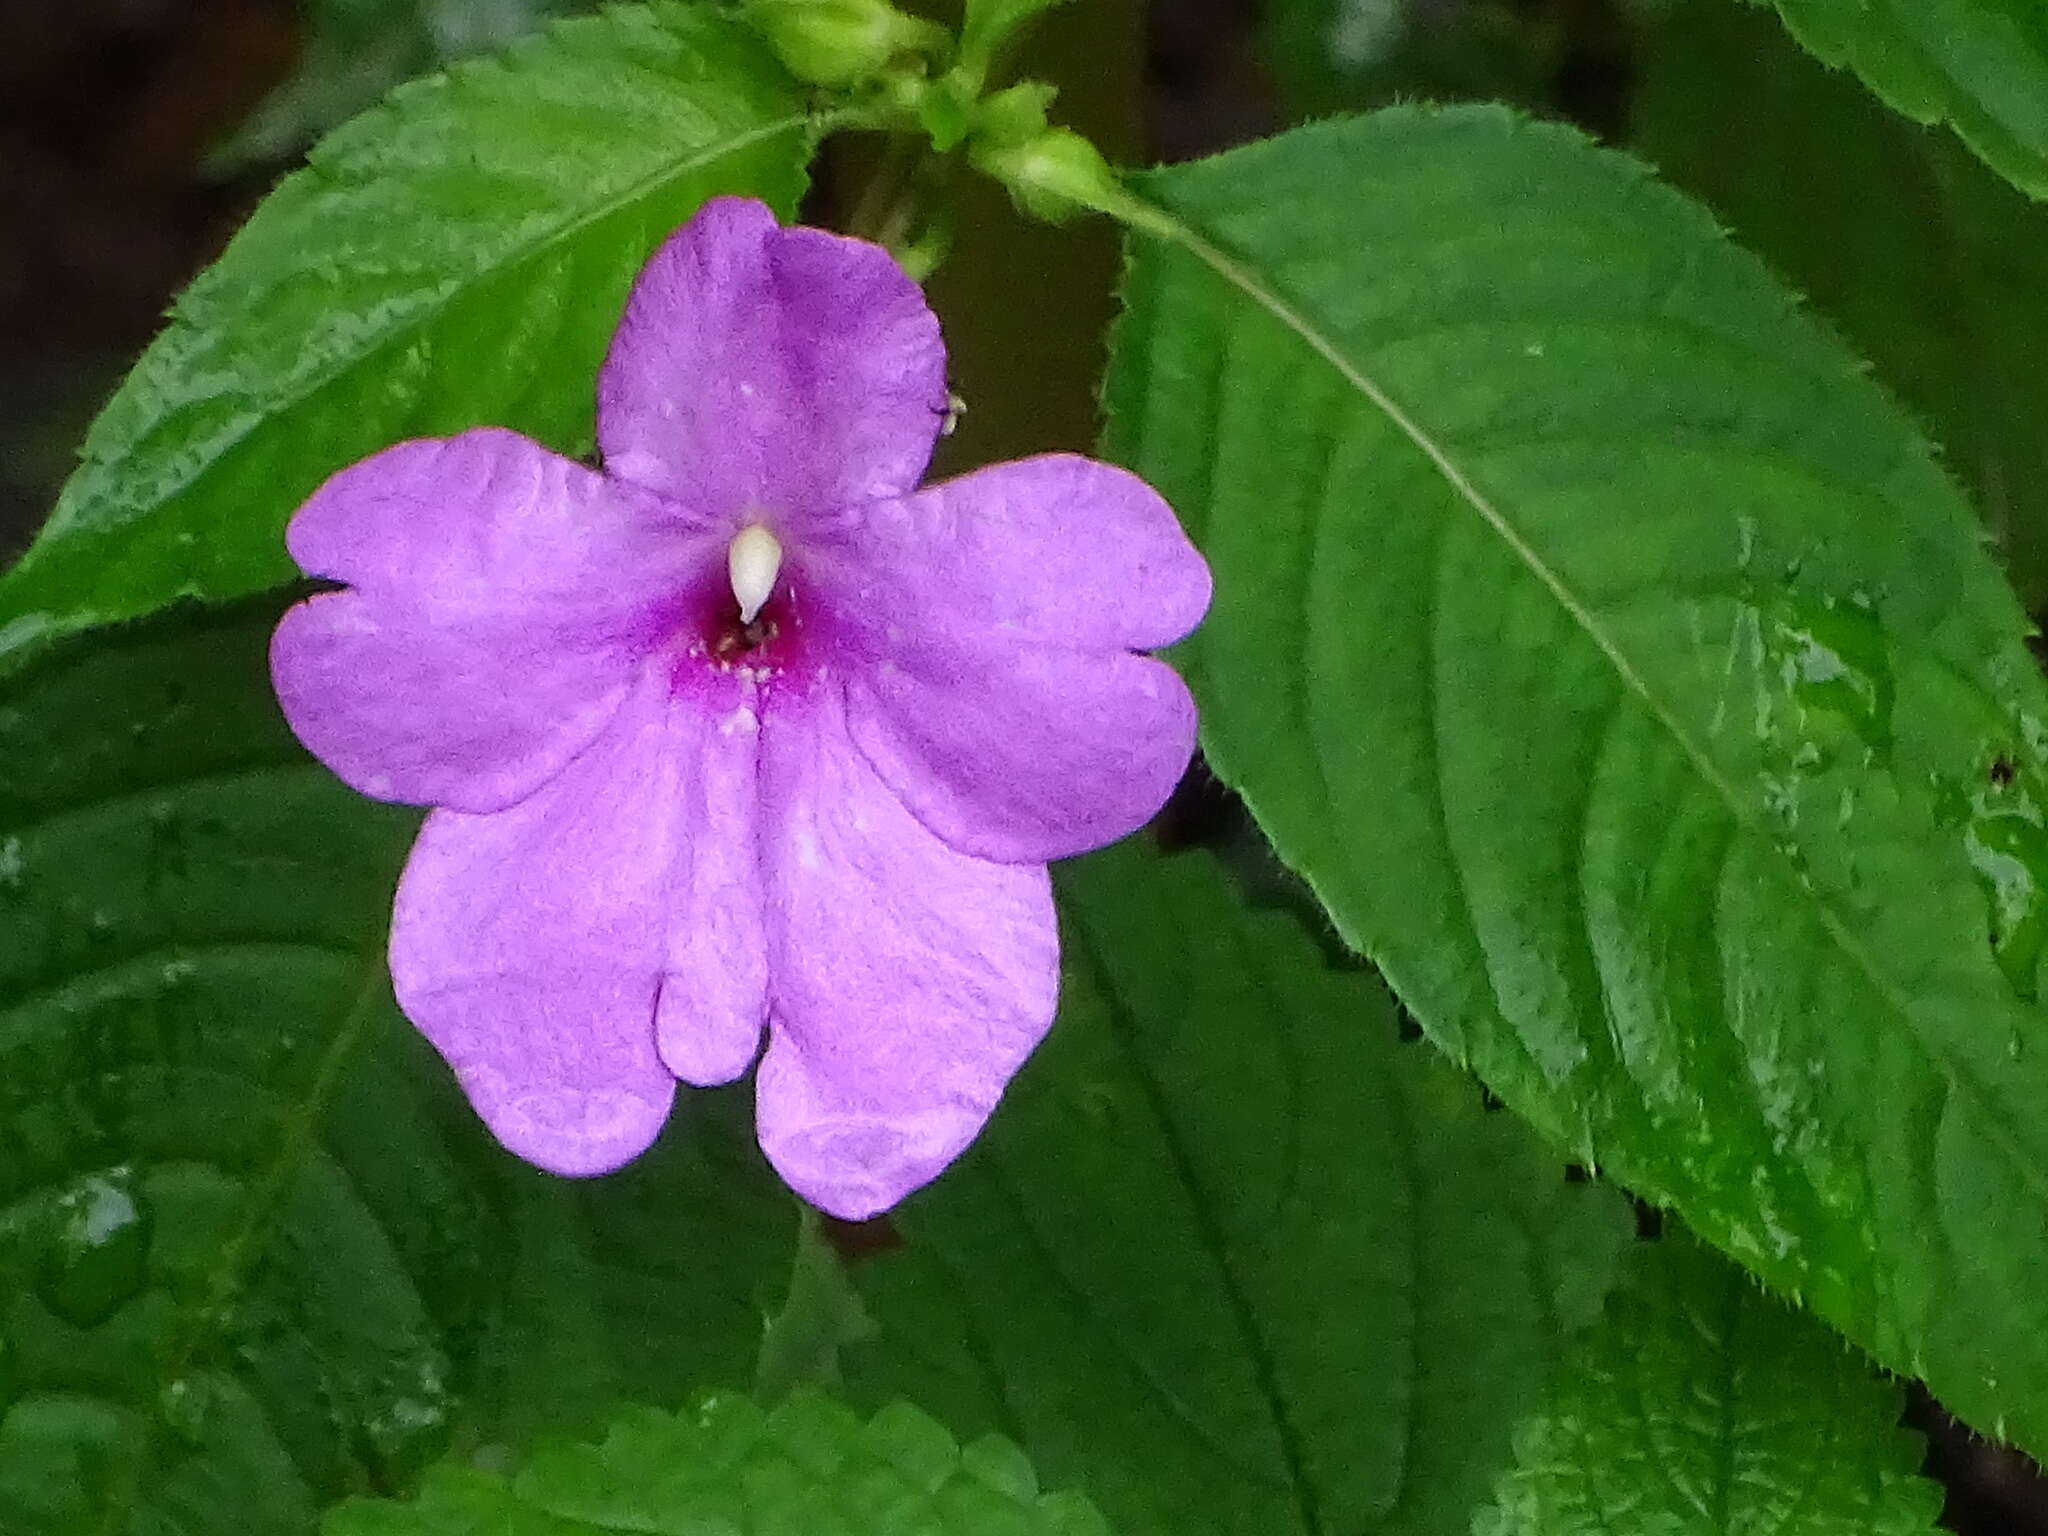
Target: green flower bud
x,y
1052,176
841,42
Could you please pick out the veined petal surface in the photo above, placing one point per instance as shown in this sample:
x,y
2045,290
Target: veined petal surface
x,y
500,598
529,945
1025,753
910,980
1057,549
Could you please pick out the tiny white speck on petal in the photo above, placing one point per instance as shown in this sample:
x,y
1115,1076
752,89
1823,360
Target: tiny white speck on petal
x,y
753,560
741,722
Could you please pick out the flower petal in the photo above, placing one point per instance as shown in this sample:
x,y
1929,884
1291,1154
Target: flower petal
x,y
1025,753
769,371
714,999
910,981
531,946
993,619
1057,549
501,598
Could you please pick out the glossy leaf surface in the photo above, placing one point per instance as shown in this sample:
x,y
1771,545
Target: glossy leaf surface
x,y
254,1251
457,257
1620,668
352,51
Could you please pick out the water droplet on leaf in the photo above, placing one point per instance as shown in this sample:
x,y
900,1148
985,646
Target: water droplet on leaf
x,y
2008,848
184,1405
1830,661
98,1251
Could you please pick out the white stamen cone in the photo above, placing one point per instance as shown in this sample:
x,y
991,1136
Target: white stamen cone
x,y
753,560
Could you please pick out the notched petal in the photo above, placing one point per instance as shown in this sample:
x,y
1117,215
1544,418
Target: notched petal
x,y
576,1129
1024,754
769,372
501,598
1056,550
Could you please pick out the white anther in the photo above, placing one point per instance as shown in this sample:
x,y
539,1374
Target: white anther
x,y
753,560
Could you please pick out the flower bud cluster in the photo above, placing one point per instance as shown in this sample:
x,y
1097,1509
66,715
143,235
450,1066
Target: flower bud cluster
x,y
904,72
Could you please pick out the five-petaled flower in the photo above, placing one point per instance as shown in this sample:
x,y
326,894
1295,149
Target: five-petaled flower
x,y
746,732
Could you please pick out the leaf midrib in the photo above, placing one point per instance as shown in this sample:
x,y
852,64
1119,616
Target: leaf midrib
x,y
1244,1313
1163,224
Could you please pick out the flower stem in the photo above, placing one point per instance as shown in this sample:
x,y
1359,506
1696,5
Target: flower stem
x,y
801,1343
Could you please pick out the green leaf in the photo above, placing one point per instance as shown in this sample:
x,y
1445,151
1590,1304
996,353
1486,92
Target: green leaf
x,y
352,51
457,257
1931,265
1618,666
1231,1256
1702,1406
254,1252
1980,66
806,1467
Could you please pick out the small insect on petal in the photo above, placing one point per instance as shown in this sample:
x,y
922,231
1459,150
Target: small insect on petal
x,y
753,560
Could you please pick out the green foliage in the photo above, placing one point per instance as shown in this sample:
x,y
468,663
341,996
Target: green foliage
x,y
1702,1407
457,257
353,51
1621,671
1930,263
1231,1256
254,1251
1981,66
807,1468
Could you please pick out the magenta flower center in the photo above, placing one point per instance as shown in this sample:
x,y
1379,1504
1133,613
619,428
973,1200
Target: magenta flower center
x,y
749,625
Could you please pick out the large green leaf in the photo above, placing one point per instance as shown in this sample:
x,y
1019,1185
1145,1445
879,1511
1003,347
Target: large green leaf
x,y
1231,1256
457,257
1981,66
1930,263
1624,675
1702,1407
253,1252
805,1469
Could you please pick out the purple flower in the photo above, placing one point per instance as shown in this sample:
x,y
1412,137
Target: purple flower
x,y
747,731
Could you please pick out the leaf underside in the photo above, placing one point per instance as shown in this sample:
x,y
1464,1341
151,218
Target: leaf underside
x,y
1618,666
